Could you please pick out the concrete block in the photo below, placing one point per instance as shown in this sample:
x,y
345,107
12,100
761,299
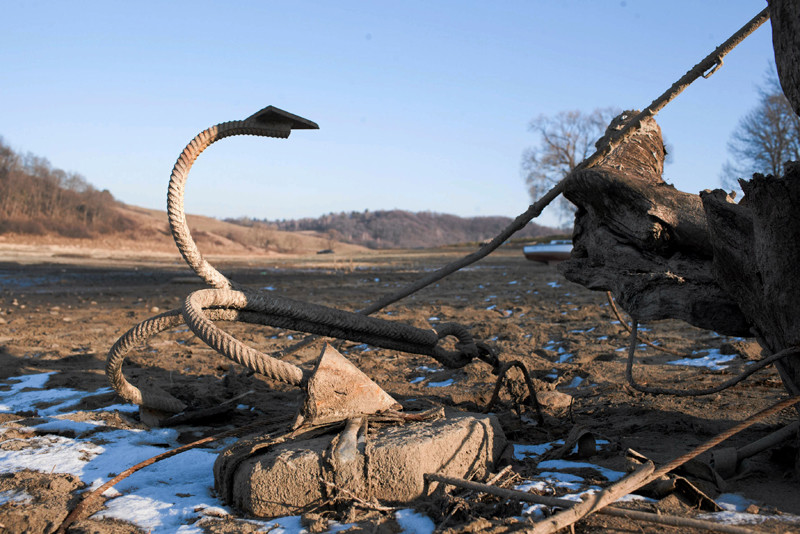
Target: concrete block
x,y
287,478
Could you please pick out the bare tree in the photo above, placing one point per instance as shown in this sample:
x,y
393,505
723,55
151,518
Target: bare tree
x,y
564,140
765,139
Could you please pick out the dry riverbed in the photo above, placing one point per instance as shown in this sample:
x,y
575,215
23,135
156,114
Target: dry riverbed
x,y
65,431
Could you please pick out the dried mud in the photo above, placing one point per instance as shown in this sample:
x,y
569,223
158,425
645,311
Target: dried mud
x,y
64,317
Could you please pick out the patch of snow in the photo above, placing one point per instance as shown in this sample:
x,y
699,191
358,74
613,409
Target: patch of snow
x,y
576,381
536,511
521,452
125,408
566,478
15,399
713,360
49,454
582,331
553,284
55,424
15,496
413,523
563,357
442,384
733,502
609,474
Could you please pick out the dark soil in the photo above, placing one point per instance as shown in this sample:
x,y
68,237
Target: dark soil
x,y
65,317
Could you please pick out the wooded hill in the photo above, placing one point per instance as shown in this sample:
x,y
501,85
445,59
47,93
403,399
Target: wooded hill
x,y
37,199
400,229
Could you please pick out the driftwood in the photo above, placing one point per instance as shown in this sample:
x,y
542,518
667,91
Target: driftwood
x,y
644,240
718,265
785,17
756,257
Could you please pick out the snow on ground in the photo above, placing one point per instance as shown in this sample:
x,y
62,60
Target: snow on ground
x,y
166,498
173,496
713,360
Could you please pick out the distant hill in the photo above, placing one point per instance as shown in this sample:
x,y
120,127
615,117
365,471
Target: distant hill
x,y
43,204
400,229
37,199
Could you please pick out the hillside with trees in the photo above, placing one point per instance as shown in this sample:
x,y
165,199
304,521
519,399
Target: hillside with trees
x,y
399,228
36,198
40,201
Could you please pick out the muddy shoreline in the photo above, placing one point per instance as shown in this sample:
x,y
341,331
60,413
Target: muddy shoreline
x,y
61,316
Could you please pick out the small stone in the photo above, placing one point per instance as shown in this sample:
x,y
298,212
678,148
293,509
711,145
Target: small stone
x,y
155,309
752,509
93,303
67,319
3,321
15,302
554,399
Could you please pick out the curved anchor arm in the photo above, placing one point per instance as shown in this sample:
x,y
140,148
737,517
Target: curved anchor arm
x,y
269,122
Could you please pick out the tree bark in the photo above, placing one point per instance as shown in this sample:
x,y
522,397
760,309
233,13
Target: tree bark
x,y
785,17
727,267
644,240
757,257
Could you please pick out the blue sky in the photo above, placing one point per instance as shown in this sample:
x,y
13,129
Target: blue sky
x,y
422,105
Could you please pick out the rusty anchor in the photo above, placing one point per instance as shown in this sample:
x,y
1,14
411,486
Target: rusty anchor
x,y
337,393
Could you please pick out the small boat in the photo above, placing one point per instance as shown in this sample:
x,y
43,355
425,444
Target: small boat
x,y
552,252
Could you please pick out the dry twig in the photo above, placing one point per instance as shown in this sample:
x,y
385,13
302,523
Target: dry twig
x,y
608,510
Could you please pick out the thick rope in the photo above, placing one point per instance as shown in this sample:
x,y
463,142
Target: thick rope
x,y
226,344
532,399
321,320
230,305
627,328
177,185
140,334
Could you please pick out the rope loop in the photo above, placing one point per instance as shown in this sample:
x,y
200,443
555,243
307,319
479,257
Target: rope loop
x,y
466,348
489,355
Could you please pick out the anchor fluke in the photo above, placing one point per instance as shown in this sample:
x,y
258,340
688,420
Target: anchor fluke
x,y
338,390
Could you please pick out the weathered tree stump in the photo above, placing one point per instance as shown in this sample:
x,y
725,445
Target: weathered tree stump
x,y
732,268
757,259
785,17
727,267
644,240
